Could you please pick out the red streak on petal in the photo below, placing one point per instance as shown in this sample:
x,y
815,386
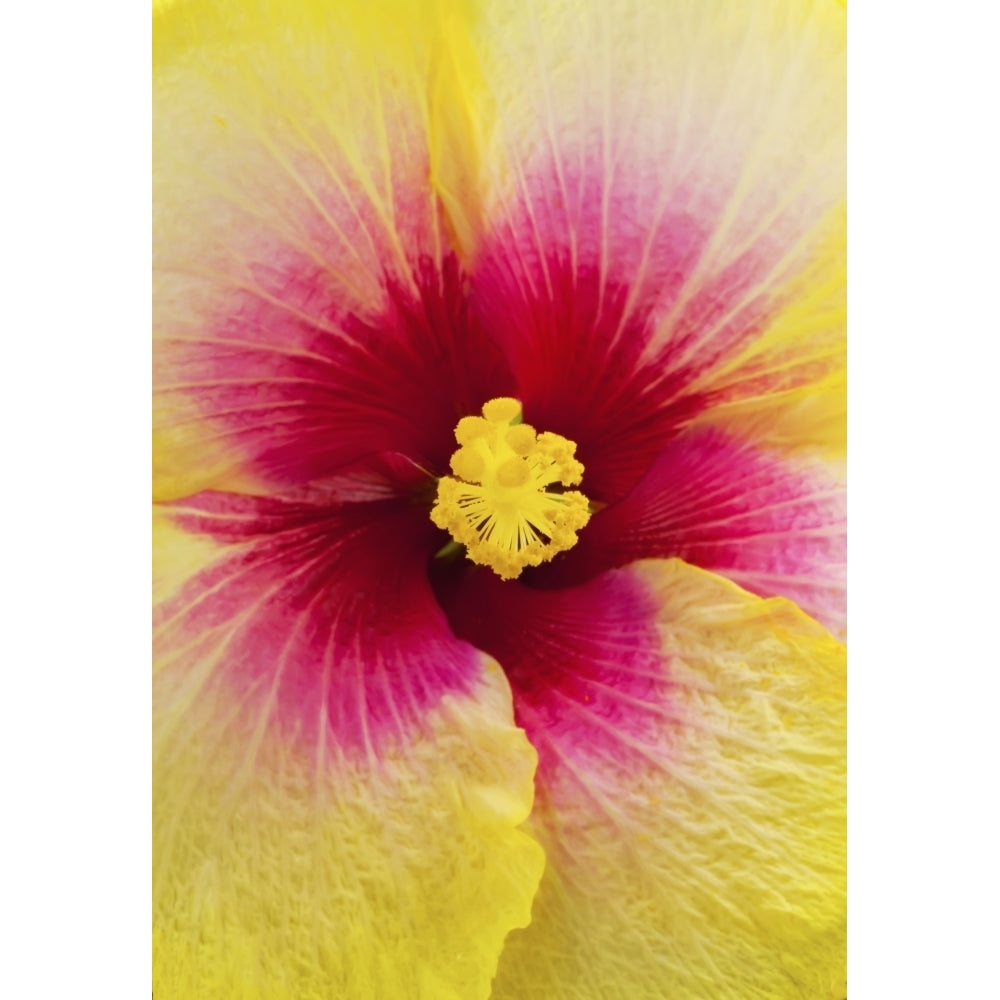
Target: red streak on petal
x,y
617,312
775,526
585,663
318,621
299,388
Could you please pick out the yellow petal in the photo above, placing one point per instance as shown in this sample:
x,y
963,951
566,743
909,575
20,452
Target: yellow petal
x,y
314,833
309,159
691,799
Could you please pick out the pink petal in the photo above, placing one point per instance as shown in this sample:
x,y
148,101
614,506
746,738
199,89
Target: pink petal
x,y
318,614
308,301
665,214
776,525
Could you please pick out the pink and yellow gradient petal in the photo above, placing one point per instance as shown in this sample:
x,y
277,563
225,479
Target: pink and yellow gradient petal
x,y
315,172
810,421
690,789
772,521
665,213
333,803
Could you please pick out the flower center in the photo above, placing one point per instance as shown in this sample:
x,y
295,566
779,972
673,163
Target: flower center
x,y
507,505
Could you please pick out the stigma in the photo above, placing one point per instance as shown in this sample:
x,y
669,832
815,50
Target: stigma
x,y
506,502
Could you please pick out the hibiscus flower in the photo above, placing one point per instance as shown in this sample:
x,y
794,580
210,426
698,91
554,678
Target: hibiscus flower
x,y
499,522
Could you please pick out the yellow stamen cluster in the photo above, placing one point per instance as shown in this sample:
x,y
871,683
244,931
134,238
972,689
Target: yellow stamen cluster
x,y
500,506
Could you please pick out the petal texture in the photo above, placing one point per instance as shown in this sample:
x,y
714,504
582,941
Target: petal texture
x,y
337,780
665,209
311,195
774,523
690,791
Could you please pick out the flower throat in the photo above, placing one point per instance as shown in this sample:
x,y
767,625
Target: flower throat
x,y
506,503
